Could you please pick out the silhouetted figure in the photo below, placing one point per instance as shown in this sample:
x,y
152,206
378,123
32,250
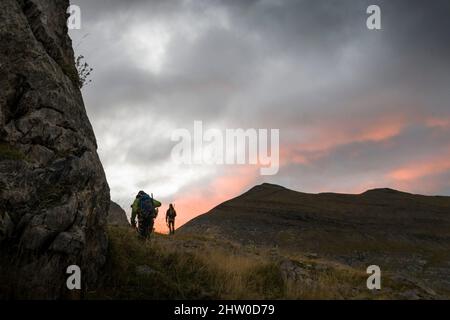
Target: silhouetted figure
x,y
170,218
145,208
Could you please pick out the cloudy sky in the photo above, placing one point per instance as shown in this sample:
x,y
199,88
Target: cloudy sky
x,y
356,108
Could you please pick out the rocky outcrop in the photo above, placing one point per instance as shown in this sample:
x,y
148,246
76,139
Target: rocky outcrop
x,y
117,216
54,197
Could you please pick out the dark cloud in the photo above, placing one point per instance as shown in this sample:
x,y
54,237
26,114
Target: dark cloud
x,y
310,68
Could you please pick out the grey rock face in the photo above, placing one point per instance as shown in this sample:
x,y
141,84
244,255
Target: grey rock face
x,y
54,197
117,216
292,270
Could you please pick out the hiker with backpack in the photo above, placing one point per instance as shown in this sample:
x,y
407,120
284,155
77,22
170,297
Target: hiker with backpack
x,y
170,218
145,208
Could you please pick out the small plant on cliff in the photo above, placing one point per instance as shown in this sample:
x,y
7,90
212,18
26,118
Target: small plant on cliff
x,y
84,71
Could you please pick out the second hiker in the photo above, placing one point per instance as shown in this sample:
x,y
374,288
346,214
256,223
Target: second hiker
x,y
170,218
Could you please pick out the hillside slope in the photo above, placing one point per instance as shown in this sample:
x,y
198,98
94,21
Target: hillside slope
x,y
406,235
195,266
199,267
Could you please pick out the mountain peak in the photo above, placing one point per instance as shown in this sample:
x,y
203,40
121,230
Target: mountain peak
x,y
383,191
267,185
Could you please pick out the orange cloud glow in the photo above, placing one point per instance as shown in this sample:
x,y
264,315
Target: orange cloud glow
x,y
322,140
328,137
419,170
342,134
199,200
438,122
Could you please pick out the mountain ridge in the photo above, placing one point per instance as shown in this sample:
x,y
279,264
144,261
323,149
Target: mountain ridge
x,y
385,227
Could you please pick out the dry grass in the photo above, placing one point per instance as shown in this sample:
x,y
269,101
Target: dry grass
x,y
198,267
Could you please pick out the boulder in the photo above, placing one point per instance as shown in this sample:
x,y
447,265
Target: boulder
x,y
117,216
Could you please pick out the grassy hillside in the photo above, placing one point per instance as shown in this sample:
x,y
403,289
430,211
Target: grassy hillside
x,y
405,234
191,266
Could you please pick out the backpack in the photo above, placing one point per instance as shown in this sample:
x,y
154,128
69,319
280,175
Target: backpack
x,y
147,209
172,213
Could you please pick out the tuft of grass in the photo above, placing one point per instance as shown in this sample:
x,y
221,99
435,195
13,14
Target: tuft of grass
x,y
71,72
266,281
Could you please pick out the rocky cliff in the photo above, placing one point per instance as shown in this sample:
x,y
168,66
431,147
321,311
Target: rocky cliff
x,y
54,197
